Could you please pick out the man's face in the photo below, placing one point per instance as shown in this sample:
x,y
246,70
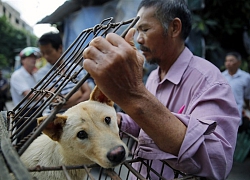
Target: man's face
x,y
231,63
29,62
151,36
50,53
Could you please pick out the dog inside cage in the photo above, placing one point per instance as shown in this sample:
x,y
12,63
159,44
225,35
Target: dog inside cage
x,y
59,146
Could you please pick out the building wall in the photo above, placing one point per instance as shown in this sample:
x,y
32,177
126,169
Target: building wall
x,y
13,17
89,16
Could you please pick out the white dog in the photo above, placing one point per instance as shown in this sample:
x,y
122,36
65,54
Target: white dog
x,y
85,134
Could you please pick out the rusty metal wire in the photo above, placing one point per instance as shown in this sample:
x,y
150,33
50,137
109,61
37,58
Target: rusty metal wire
x,y
46,94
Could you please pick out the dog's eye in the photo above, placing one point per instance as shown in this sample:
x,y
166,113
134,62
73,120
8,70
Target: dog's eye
x,y
107,120
82,135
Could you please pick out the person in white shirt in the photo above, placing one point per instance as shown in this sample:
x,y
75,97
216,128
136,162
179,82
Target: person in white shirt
x,y
22,80
238,79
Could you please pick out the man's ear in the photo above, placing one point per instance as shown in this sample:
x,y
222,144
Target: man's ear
x,y
60,49
97,95
176,27
55,128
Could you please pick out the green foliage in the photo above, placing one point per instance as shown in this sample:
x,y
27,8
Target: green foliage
x,y
3,61
12,41
222,24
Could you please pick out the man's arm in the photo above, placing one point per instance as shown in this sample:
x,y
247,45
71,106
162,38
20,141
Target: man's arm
x,y
79,96
85,89
112,58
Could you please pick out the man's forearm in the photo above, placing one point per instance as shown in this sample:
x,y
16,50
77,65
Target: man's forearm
x,y
73,100
157,121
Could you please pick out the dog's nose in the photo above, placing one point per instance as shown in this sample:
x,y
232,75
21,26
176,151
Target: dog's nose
x,y
117,154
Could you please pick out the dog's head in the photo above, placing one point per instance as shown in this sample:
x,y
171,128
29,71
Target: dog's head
x,y
88,133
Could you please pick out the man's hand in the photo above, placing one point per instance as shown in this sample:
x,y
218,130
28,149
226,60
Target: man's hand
x,y
116,66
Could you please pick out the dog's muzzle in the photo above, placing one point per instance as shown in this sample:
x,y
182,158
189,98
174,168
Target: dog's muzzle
x,y
117,155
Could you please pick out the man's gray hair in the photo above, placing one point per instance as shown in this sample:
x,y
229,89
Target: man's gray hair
x,y
167,10
235,54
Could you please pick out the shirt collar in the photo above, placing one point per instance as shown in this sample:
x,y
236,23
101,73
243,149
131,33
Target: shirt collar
x,y
237,74
177,70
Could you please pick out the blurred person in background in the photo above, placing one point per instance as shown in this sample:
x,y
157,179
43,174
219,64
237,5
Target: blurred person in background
x,y
239,81
51,47
21,82
23,79
41,62
3,91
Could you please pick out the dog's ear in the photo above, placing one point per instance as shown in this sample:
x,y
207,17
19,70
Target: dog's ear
x,y
97,95
55,128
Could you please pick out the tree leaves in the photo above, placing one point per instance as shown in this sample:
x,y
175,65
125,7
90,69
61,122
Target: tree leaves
x,y
12,41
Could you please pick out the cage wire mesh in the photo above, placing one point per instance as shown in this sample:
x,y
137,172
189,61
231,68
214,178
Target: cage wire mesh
x,y
47,93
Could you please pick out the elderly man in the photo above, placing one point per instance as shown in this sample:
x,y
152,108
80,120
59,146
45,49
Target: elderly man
x,y
186,114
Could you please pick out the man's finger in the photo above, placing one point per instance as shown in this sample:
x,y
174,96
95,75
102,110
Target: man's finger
x,y
90,66
92,53
101,44
130,37
117,40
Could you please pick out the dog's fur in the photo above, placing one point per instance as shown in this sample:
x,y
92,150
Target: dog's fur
x,y
85,134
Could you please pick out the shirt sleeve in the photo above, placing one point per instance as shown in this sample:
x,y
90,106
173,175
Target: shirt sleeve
x,y
212,121
129,125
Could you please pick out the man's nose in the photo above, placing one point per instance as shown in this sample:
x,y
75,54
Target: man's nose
x,y
140,38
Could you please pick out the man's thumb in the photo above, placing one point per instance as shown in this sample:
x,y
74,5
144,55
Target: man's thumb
x,y
130,37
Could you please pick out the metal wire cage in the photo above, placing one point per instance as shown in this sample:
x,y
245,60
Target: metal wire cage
x,y
127,171
44,94
47,92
